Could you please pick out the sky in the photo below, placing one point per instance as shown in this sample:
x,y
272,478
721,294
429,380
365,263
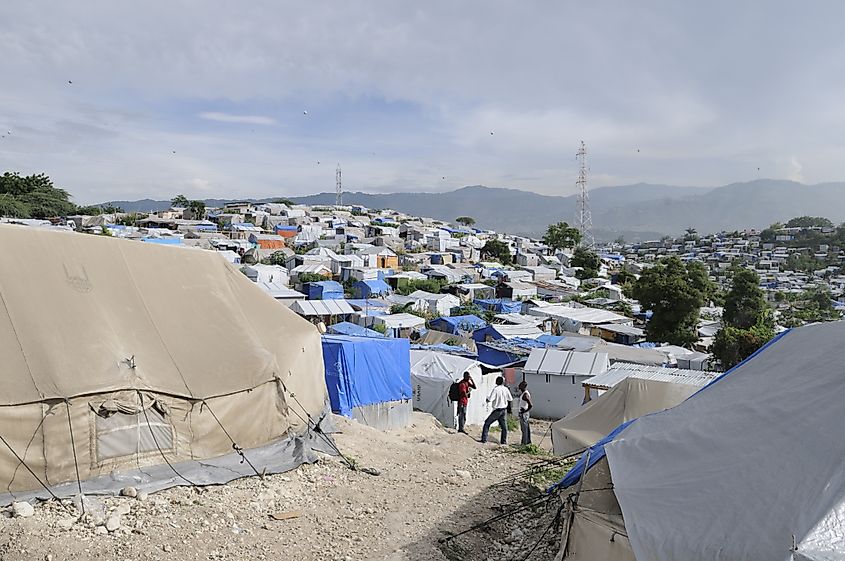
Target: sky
x,y
127,100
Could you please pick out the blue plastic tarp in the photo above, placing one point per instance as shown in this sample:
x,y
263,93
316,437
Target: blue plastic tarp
x,y
325,290
500,305
349,328
362,371
163,241
458,324
370,287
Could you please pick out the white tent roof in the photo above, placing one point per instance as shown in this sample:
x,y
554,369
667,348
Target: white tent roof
x,y
621,370
583,315
400,321
746,465
568,363
310,308
524,331
442,366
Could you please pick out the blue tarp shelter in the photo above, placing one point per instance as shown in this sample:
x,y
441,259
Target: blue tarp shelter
x,y
458,324
500,305
370,288
325,290
349,328
362,371
163,241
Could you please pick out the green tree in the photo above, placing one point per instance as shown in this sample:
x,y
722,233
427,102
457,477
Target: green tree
x,y
310,277
809,222
33,196
94,210
283,201
275,258
498,250
588,261
732,345
465,220
690,234
561,236
745,304
180,201
197,209
674,291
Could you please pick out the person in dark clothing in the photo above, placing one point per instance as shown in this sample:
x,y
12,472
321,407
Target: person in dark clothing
x,y
525,406
464,387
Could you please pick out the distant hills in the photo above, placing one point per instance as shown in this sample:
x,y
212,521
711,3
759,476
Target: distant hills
x,y
633,211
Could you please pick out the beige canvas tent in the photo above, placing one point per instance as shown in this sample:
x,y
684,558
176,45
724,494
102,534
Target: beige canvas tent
x,y
128,363
629,399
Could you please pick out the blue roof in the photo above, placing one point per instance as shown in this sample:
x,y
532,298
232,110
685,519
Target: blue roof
x,y
499,305
550,340
349,328
454,324
163,241
362,371
375,285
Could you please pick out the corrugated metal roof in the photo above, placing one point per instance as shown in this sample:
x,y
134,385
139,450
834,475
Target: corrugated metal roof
x,y
567,363
321,307
620,371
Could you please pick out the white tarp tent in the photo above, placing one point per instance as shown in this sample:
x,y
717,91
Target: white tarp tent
x,y
431,375
747,469
555,379
628,399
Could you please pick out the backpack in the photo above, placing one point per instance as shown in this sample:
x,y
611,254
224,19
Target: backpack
x,y
455,391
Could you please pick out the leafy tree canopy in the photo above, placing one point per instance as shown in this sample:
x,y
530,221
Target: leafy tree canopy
x,y
498,250
465,220
32,196
732,345
588,261
674,291
745,305
561,236
179,201
809,222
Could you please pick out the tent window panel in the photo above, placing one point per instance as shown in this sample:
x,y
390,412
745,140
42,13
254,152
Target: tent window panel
x,y
122,434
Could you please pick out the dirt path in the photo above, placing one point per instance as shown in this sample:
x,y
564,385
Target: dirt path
x,y
431,481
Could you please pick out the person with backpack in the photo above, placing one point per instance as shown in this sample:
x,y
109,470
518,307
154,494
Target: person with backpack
x,y
459,393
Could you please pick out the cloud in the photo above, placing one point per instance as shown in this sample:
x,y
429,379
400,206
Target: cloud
x,y
242,119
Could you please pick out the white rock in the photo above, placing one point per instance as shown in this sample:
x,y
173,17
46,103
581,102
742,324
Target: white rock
x,y
65,524
22,509
122,509
100,530
113,522
130,492
166,548
463,473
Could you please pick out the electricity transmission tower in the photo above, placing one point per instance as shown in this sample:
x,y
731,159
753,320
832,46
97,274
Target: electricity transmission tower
x,y
584,218
338,199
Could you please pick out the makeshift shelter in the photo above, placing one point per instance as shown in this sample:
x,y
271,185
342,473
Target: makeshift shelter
x,y
432,373
399,325
499,331
327,311
324,290
747,469
458,325
127,363
369,379
370,288
628,399
499,305
619,371
353,329
555,379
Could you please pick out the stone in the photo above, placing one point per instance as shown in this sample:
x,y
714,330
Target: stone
x,y
122,509
142,496
113,522
100,530
463,473
65,524
166,548
130,492
22,509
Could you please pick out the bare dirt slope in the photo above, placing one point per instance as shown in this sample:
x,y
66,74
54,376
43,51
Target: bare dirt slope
x,y
431,482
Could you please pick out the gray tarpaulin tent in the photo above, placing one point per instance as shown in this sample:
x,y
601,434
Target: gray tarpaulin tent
x,y
750,468
125,363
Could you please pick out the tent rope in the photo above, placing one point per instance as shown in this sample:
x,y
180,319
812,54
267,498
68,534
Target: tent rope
x,y
29,469
238,450
543,499
155,440
554,524
75,459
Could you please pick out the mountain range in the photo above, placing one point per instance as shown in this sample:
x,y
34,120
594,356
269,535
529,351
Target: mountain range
x,y
634,212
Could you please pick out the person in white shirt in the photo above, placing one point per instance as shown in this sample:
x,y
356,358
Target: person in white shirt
x,y
500,399
525,406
